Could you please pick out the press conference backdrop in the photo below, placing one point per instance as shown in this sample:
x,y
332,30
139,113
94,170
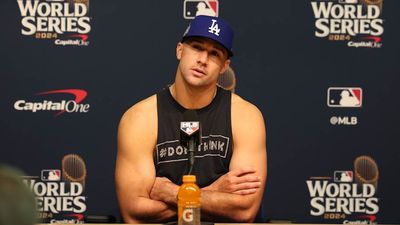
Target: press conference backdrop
x,y
324,73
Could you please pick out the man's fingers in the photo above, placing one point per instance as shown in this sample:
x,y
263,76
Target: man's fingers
x,y
246,192
242,171
250,185
247,178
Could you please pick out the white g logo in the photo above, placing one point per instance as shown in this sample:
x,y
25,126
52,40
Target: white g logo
x,y
188,215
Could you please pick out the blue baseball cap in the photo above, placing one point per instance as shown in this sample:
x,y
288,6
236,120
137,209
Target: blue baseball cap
x,y
213,28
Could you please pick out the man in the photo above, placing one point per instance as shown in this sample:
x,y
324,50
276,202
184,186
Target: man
x,y
17,202
230,164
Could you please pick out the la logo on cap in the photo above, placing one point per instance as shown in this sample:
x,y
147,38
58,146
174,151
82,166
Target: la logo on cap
x,y
214,29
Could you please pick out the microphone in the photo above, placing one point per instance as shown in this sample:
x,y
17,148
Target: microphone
x,y
190,134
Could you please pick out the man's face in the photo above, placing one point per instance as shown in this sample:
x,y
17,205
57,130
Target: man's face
x,y
201,61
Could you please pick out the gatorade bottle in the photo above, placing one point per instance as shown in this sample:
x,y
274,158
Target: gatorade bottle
x,y
189,202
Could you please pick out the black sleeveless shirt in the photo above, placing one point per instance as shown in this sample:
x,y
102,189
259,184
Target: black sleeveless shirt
x,y
214,154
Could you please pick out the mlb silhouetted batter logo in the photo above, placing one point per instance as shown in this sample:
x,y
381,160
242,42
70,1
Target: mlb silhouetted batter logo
x,y
344,97
193,8
343,176
51,175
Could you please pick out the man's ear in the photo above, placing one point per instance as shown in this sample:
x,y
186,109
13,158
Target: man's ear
x,y
225,66
179,49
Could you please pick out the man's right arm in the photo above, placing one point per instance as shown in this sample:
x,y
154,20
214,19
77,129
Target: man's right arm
x,y
135,172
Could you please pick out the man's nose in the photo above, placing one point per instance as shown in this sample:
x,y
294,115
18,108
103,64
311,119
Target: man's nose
x,y
202,57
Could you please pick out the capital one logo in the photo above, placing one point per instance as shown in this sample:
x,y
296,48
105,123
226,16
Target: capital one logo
x,y
187,215
60,106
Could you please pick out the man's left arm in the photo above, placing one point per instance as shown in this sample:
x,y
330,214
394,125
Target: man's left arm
x,y
240,198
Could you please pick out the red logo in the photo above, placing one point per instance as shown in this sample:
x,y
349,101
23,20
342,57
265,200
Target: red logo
x,y
78,93
83,37
371,218
373,38
78,217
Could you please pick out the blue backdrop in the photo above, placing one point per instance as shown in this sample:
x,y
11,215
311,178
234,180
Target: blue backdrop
x,y
70,69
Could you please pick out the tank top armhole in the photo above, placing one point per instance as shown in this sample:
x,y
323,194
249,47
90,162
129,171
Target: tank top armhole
x,y
230,119
158,125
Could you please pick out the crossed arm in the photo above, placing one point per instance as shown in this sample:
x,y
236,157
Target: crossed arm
x,y
135,173
234,197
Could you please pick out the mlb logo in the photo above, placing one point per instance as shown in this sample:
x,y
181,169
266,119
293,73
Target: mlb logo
x,y
190,127
343,176
348,1
51,175
344,97
193,8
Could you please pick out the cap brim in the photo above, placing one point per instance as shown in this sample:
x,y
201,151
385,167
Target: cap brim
x,y
230,53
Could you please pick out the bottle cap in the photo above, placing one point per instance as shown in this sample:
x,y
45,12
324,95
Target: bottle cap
x,y
189,178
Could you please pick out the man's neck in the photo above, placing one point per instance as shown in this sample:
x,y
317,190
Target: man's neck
x,y
192,97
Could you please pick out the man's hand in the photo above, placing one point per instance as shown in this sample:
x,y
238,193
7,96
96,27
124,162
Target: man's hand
x,y
164,190
239,181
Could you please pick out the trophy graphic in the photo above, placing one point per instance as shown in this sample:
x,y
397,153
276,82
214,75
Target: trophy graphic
x,y
74,169
366,171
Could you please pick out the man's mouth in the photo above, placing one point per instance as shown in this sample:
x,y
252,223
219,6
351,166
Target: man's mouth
x,y
198,70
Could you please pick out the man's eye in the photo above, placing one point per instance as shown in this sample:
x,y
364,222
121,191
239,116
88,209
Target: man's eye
x,y
215,53
196,46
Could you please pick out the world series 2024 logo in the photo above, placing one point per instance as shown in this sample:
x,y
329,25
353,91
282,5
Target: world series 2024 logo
x,y
357,22
66,22
347,196
60,193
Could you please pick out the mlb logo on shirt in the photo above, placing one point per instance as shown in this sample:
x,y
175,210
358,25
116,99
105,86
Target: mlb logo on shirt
x,y
193,8
51,175
190,127
343,176
344,97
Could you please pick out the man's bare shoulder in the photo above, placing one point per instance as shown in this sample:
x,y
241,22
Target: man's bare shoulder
x,y
243,108
143,112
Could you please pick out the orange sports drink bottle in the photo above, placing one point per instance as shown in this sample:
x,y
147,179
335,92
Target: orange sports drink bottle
x,y
189,202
